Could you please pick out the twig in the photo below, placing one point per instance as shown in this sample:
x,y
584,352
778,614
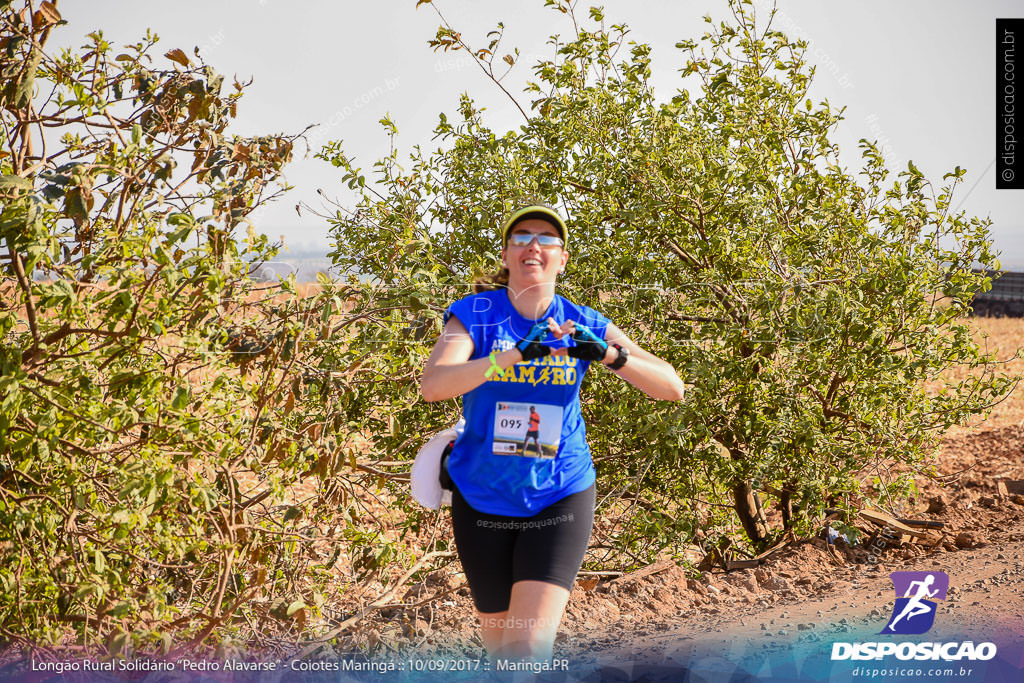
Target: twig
x,y
377,604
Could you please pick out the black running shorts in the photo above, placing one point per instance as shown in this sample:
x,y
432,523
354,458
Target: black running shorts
x,y
497,550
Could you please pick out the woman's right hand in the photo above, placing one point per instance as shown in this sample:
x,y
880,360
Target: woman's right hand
x,y
531,347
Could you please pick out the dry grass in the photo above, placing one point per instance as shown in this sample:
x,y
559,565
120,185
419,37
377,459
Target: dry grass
x,y
1003,337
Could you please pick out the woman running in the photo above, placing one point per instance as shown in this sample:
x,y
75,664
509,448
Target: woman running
x,y
516,353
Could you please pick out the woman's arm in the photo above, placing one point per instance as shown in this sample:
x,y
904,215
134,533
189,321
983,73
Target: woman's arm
x,y
644,370
450,373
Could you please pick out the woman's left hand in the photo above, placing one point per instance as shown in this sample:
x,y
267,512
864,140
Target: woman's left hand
x,y
587,346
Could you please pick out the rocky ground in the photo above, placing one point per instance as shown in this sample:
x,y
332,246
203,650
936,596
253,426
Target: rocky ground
x,y
808,591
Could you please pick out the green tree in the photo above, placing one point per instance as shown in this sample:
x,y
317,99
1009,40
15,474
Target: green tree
x,y
807,306
149,445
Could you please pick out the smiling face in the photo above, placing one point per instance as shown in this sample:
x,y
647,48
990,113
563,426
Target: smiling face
x,y
533,264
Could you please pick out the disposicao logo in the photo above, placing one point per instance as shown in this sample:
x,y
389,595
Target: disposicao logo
x,y
914,613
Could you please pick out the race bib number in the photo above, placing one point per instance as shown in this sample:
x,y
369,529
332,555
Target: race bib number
x,y
531,430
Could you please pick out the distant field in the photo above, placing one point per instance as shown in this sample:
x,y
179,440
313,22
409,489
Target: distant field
x,y
1005,338
303,263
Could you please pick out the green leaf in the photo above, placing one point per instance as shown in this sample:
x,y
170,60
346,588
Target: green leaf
x,y
180,399
119,610
180,219
11,185
76,205
25,85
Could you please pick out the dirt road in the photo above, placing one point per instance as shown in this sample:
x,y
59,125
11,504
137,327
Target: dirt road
x,y
807,597
800,600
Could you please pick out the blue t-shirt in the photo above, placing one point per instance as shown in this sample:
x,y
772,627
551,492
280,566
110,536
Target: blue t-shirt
x,y
525,445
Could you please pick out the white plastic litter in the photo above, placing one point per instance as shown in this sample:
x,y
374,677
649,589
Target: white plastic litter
x,y
426,469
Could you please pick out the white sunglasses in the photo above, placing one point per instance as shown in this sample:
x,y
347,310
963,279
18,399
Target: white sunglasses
x,y
523,239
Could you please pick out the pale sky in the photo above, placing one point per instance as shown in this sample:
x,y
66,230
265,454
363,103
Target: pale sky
x,y
917,75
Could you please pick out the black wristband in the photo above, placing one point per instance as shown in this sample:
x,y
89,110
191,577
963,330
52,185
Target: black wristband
x,y
621,359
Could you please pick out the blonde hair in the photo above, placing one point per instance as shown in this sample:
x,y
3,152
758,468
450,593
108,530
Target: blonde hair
x,y
486,283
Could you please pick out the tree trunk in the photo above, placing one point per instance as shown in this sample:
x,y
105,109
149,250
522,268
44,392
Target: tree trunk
x,y
754,523
745,501
786,506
